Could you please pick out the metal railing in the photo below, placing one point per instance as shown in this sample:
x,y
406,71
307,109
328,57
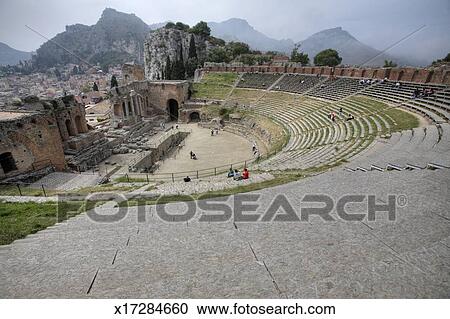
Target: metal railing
x,y
179,176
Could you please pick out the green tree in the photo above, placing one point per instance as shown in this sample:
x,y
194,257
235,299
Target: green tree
x,y
248,59
237,48
261,59
192,48
299,57
328,57
114,82
201,28
169,25
389,64
218,55
181,26
191,66
95,87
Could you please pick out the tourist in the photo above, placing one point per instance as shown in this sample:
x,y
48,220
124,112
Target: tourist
x,y
191,153
237,175
350,117
341,111
245,174
194,157
187,179
176,127
416,93
230,173
212,132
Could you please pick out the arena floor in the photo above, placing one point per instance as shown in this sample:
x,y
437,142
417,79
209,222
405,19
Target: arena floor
x,y
211,151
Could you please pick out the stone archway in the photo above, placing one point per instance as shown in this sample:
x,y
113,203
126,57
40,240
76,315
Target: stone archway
x,y
69,128
172,109
78,124
194,117
7,162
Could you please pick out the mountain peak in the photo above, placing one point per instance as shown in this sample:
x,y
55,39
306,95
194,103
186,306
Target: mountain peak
x,y
237,21
12,56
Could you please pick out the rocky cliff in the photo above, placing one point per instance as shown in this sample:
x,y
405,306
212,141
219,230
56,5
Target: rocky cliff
x,y
174,54
116,38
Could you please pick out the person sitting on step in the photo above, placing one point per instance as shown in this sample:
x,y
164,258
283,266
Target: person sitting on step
x,y
187,179
230,173
237,175
245,174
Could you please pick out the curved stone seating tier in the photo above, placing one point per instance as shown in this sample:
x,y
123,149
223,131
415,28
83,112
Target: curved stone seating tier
x,y
258,80
297,83
338,88
303,103
418,147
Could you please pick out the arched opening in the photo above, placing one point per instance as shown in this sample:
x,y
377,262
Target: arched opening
x,y
172,109
69,128
79,124
7,162
130,110
194,117
124,109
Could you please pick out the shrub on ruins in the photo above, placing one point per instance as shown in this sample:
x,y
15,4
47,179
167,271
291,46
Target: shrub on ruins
x,y
442,61
299,57
389,64
328,57
114,82
201,28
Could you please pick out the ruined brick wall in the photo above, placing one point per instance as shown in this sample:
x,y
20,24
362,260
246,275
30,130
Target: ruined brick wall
x,y
148,97
71,121
132,73
33,141
439,75
161,92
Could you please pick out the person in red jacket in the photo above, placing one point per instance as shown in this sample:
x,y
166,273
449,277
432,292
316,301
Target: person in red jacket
x,y
245,174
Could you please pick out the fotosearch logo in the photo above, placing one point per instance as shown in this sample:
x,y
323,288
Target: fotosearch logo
x,y
251,208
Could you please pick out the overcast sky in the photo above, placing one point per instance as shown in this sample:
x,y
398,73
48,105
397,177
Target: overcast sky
x,y
378,23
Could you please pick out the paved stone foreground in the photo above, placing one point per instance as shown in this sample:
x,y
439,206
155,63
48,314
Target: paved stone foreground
x,y
408,258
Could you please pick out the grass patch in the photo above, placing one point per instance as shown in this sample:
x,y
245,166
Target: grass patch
x,y
214,86
104,188
18,220
403,120
244,96
125,179
13,190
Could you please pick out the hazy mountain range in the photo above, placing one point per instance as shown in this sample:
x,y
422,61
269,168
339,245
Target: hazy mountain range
x,y
10,56
118,37
350,49
239,30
